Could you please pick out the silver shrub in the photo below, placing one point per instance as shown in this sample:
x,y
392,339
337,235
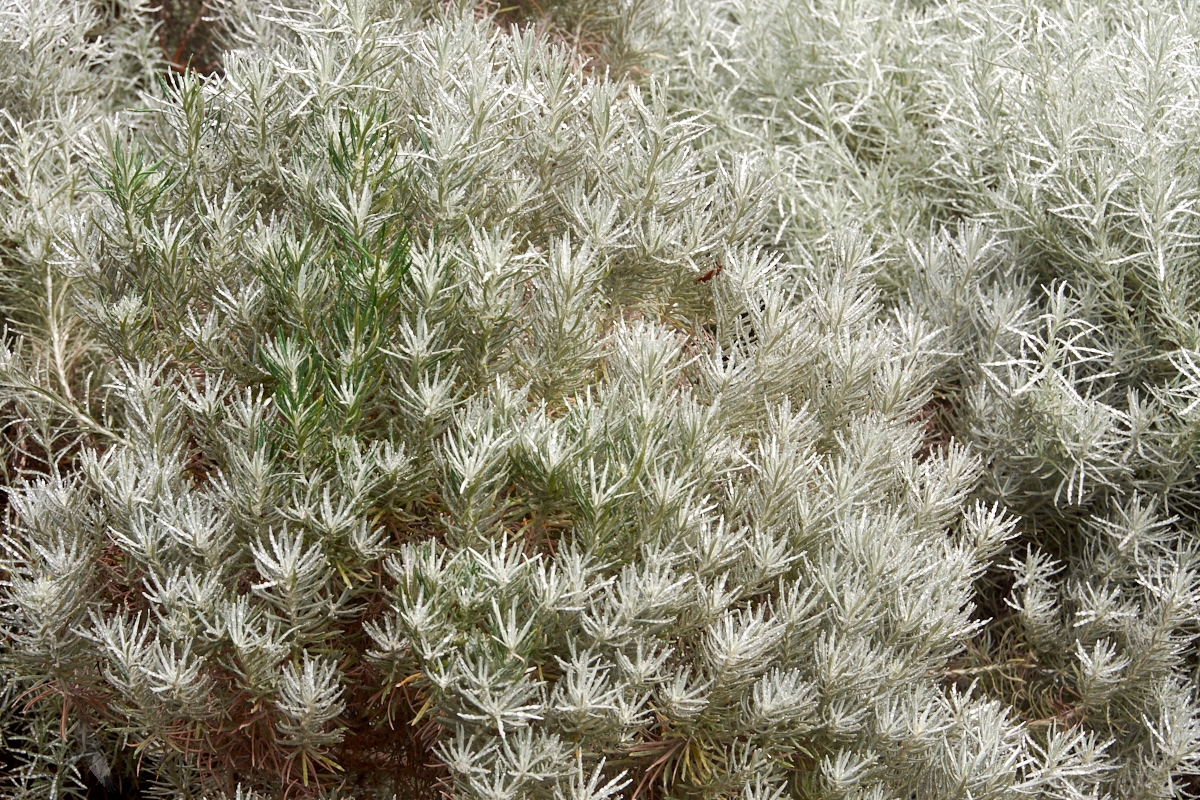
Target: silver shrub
x,y
769,416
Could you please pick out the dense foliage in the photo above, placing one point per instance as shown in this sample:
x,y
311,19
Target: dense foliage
x,y
597,399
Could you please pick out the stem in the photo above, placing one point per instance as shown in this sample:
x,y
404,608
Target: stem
x,y
56,337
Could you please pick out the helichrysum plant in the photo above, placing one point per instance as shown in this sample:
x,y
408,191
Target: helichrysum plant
x,y
761,399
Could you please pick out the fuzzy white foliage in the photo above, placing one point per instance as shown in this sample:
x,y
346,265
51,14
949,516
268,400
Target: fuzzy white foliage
x,y
387,345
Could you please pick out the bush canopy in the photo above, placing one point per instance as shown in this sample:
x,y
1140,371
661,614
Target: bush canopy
x,y
672,399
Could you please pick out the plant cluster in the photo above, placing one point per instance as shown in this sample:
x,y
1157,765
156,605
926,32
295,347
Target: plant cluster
x,y
598,399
